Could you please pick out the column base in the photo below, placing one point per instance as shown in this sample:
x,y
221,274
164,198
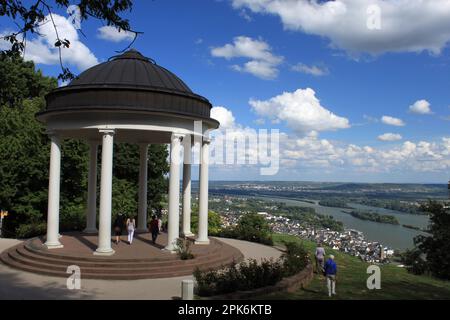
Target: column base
x,y
187,234
170,248
53,245
109,252
173,251
90,231
201,242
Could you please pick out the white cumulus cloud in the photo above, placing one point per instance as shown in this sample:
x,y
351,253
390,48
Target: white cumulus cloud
x,y
113,34
404,25
262,62
301,110
224,116
390,137
312,70
392,121
420,107
42,49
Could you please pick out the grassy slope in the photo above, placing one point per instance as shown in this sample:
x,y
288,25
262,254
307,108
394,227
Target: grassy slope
x,y
396,283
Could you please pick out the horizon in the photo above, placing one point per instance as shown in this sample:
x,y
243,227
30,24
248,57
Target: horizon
x,y
337,182
370,107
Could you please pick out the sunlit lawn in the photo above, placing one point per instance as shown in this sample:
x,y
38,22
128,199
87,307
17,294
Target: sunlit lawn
x,y
396,283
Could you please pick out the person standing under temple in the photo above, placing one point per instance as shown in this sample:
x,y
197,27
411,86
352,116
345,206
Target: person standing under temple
x,y
131,226
154,228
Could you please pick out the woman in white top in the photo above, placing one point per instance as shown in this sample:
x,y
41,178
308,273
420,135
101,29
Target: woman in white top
x,y
131,226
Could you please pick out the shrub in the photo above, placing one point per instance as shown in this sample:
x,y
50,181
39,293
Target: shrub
x,y
183,249
295,258
250,274
251,227
72,218
414,261
246,275
214,221
31,230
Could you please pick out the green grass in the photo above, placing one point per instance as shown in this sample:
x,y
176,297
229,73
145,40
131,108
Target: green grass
x,y
396,283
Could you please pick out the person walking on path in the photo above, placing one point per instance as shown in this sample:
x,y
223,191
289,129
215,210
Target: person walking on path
x,y
330,274
131,226
118,226
154,228
320,258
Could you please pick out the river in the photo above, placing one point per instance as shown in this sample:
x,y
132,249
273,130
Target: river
x,y
394,236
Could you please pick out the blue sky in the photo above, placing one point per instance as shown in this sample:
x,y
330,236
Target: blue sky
x,y
366,74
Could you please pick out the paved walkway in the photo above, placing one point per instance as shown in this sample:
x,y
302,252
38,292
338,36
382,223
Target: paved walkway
x,y
16,284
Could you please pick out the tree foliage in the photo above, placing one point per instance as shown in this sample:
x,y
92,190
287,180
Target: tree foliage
x,y
251,227
436,247
28,16
214,221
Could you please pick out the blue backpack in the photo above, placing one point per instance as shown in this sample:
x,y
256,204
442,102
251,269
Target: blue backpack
x,y
330,267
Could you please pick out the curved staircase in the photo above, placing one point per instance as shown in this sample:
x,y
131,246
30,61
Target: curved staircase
x,y
32,257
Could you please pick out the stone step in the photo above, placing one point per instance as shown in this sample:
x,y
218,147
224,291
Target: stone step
x,y
32,256
58,260
130,275
180,265
39,250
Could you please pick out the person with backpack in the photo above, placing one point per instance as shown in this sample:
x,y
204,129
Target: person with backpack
x,y
330,271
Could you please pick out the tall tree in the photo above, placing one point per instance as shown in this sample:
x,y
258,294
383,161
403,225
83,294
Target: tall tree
x,y
436,247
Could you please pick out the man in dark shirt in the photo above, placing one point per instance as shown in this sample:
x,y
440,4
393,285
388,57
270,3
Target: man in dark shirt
x,y
154,228
119,223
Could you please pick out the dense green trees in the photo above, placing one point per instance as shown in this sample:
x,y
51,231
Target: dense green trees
x,y
373,216
251,227
432,253
436,247
126,177
214,222
24,160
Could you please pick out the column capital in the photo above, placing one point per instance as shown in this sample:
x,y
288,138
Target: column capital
x,y
206,140
52,134
179,136
107,131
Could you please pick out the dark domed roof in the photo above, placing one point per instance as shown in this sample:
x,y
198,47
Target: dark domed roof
x,y
131,69
130,82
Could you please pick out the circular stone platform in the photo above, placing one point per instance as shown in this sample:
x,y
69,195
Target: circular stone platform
x,y
141,260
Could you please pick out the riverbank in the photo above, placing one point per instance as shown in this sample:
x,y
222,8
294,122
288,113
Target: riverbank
x,y
393,236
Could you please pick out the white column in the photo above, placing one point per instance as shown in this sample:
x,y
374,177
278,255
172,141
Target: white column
x,y
187,186
52,241
91,213
142,210
104,232
202,237
174,193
